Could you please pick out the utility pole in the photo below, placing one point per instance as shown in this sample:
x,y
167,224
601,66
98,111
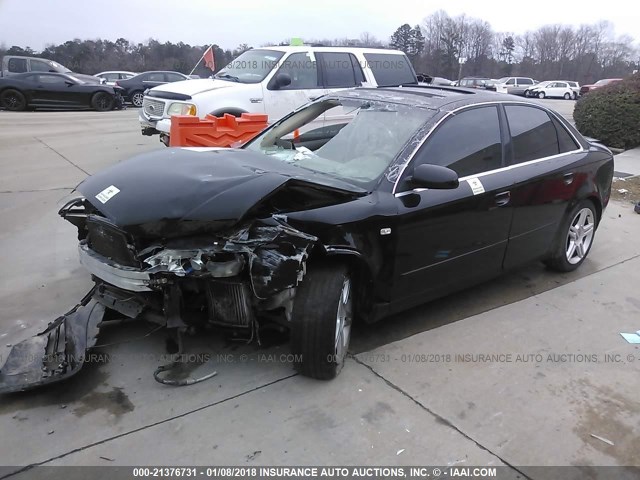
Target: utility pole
x,y
461,61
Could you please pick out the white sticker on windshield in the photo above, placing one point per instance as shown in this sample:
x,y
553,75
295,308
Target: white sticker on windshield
x,y
476,186
105,195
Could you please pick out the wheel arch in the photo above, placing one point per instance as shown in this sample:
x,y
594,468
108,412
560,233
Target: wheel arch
x,y
236,112
359,267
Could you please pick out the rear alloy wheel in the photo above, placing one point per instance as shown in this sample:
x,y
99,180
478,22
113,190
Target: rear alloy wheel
x,y
567,96
575,238
136,98
13,100
322,319
102,102
541,95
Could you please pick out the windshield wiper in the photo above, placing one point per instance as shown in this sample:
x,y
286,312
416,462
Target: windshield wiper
x,y
228,77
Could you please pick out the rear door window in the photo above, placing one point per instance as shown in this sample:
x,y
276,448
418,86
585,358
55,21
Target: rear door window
x,y
17,65
338,70
39,66
390,70
468,142
533,133
155,77
173,77
525,81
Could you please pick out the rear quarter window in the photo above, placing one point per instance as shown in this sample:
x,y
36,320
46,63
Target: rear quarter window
x,y
390,69
17,65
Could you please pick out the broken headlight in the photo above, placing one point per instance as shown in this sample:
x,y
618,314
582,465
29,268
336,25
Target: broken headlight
x,y
186,262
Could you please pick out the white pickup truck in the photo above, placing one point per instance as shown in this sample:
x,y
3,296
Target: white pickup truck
x,y
273,80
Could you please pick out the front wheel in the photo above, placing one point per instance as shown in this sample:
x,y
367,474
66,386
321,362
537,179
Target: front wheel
x,y
541,95
102,102
575,96
136,98
13,100
321,321
575,238
567,96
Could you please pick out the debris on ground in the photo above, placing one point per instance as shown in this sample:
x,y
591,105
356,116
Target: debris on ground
x,y
602,439
626,189
399,451
632,337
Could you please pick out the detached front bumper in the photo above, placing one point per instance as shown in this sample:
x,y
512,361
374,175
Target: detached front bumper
x,y
56,353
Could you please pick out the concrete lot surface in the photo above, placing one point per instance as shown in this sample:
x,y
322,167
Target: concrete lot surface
x,y
520,371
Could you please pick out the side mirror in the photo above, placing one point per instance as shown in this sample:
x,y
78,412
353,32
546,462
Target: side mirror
x,y
282,80
434,176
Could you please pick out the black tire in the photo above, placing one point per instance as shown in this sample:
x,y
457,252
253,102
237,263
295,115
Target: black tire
x,y
559,259
136,98
567,96
317,307
13,100
575,96
102,101
541,95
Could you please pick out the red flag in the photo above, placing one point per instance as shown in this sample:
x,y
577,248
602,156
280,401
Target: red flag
x,y
209,61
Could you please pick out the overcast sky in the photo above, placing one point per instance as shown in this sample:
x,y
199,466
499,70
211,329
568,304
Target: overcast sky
x,y
36,23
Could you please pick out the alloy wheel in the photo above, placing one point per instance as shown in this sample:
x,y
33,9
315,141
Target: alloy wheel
x,y
344,319
580,235
137,98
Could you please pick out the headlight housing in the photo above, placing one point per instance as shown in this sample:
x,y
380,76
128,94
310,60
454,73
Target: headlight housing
x,y
182,109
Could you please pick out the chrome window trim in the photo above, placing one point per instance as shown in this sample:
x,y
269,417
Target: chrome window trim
x,y
502,169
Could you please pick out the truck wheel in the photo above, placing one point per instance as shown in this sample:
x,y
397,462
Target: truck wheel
x,y
574,239
322,319
13,100
102,102
136,98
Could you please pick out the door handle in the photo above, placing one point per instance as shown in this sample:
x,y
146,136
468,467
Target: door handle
x,y
503,198
568,178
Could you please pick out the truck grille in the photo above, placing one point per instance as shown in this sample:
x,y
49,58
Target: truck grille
x,y
152,107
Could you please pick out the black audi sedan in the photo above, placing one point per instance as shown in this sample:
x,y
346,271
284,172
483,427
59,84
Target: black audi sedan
x,y
358,205
133,88
55,90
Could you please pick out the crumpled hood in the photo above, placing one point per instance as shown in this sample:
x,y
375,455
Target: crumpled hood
x,y
193,87
211,185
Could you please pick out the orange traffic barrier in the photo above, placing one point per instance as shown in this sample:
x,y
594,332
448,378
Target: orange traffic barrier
x,y
189,131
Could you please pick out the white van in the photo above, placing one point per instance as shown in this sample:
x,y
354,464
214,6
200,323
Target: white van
x,y
273,80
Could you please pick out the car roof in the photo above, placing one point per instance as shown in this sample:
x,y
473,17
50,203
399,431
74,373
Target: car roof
x,y
306,48
434,97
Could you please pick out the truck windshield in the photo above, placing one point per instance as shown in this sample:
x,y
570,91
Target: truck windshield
x,y
250,67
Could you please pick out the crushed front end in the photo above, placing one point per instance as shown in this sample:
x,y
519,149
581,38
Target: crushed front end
x,y
234,279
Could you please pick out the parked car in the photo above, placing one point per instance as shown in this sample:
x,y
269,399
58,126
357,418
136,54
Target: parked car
x,y
15,65
575,88
113,76
600,83
59,90
490,84
412,194
514,85
274,80
553,88
473,82
134,88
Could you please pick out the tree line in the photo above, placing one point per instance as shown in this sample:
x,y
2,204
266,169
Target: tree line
x,y
439,46
586,53
94,56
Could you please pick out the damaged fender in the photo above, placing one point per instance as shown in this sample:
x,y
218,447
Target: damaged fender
x,y
56,353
